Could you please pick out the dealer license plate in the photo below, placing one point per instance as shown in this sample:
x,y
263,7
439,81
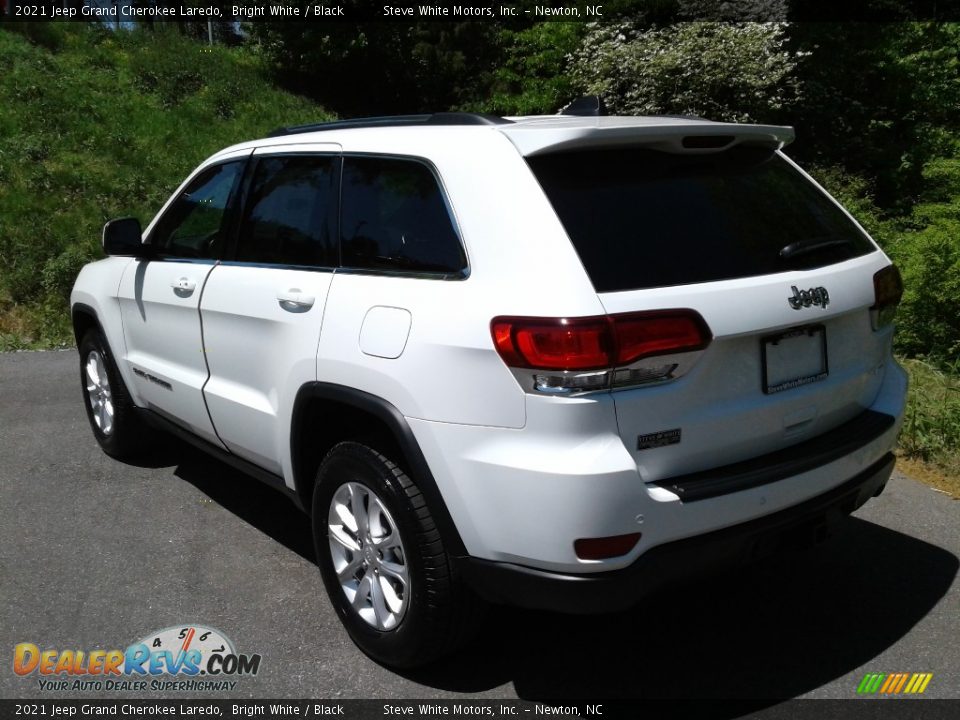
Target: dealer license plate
x,y
794,358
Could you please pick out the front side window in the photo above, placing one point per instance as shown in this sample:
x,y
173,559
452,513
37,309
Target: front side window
x,y
194,225
394,218
289,216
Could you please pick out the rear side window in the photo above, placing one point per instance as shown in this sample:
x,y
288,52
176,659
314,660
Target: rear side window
x,y
289,215
394,218
642,218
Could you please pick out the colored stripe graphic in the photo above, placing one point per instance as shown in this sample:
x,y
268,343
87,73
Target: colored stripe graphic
x,y
894,683
889,683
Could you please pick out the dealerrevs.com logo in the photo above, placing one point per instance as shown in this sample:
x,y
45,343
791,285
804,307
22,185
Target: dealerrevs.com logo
x,y
186,657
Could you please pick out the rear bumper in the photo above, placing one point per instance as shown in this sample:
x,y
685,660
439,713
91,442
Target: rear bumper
x,y
524,496
781,464
798,526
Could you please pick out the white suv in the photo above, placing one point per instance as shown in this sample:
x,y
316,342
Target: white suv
x,y
547,361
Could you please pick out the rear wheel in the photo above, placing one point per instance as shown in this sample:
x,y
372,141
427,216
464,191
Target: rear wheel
x,y
383,561
111,413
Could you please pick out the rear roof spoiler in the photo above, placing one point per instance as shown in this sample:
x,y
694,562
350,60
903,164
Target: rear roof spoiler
x,y
669,135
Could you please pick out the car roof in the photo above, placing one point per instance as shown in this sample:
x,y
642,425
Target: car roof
x,y
539,134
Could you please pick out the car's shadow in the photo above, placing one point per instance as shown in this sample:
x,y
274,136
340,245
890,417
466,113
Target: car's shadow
x,y
771,631
266,509
774,630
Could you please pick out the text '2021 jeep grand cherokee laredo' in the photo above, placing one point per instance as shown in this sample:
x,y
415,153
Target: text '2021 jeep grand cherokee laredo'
x,y
549,361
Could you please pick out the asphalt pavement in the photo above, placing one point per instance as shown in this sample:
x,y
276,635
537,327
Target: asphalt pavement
x,y
96,554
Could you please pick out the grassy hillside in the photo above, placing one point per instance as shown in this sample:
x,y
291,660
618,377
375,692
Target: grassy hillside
x,y
95,125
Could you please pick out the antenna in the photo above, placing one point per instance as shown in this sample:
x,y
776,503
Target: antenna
x,y
587,106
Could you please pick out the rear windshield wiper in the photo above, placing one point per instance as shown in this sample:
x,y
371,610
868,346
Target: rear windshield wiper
x,y
802,247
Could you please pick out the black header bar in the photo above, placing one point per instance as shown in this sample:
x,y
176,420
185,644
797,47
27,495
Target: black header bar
x,y
501,11
854,709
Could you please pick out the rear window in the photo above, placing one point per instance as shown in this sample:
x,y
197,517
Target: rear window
x,y
642,218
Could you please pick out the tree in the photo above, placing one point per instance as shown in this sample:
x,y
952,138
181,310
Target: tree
x,y
722,71
381,68
531,78
881,100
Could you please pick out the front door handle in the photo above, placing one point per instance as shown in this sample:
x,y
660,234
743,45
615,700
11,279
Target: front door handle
x,y
184,285
295,300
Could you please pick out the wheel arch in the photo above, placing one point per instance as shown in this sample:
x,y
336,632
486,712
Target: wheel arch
x,y
325,414
83,318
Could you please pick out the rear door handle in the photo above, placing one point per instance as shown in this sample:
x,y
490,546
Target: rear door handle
x,y
184,284
295,300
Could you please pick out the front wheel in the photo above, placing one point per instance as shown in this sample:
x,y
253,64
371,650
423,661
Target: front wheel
x,y
110,410
383,561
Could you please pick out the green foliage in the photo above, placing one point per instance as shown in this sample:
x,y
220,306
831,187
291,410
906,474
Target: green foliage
x,y
723,71
929,317
45,34
530,78
931,427
880,100
381,68
104,125
733,10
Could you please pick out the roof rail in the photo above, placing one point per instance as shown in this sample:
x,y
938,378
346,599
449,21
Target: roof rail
x,y
440,118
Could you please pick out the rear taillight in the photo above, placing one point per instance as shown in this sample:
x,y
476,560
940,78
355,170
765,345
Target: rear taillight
x,y
554,343
642,335
596,353
887,290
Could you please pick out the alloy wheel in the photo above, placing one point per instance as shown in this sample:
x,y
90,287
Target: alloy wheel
x,y
368,556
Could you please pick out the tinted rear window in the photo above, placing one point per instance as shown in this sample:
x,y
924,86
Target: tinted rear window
x,y
643,218
394,218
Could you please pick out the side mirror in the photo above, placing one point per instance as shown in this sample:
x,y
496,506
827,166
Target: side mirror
x,y
124,237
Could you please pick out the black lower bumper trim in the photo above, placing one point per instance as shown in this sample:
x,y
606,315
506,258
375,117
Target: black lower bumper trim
x,y
795,527
800,458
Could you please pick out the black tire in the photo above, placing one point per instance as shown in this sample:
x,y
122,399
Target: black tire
x,y
126,436
441,613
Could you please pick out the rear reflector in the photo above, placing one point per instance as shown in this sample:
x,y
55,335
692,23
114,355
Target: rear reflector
x,y
596,343
888,290
605,547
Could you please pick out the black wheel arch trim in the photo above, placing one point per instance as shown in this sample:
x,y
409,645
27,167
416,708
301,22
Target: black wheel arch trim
x,y
84,309
394,420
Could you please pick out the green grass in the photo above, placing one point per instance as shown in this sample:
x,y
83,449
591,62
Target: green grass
x,y
96,124
931,427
